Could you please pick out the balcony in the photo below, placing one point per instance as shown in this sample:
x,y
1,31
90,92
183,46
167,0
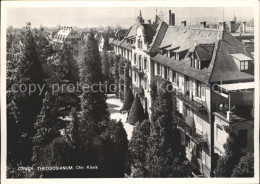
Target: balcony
x,y
139,70
197,106
230,117
139,91
188,127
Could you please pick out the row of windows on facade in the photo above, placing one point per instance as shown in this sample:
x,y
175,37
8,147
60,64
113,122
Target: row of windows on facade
x,y
132,42
142,62
173,76
124,52
62,37
141,83
195,62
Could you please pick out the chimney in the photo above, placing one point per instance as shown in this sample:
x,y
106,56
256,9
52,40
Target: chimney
x,y
173,19
244,27
183,23
222,25
149,21
232,26
203,24
170,17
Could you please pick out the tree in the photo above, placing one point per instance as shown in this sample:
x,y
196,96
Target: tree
x,y
93,101
105,64
58,153
136,112
245,168
129,98
43,46
138,147
106,46
46,127
226,163
26,106
165,154
116,72
115,147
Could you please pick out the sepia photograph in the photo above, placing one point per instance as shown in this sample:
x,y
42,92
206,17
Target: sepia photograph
x,y
129,91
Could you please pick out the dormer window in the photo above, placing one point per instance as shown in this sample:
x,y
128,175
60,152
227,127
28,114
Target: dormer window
x,y
244,65
242,61
177,56
168,54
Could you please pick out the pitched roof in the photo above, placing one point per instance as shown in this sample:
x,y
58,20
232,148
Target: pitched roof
x,y
119,34
131,33
204,52
154,34
158,36
209,44
225,68
189,38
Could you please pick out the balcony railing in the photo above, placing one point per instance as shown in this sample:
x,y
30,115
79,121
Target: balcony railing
x,y
139,70
196,137
190,102
139,90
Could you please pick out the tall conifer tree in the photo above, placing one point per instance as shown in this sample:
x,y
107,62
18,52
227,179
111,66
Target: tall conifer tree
x,y
93,100
26,106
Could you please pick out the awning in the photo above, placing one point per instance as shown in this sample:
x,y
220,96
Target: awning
x,y
237,86
246,41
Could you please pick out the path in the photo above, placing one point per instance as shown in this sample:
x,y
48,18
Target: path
x,y
114,106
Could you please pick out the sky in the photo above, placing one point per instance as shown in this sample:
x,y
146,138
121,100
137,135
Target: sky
x,y
111,16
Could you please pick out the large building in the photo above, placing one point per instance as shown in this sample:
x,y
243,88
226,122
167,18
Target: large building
x,y
212,74
69,37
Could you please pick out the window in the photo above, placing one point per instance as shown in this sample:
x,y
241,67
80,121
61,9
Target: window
x,y
168,53
198,89
165,72
135,76
145,63
242,136
244,65
198,151
140,62
140,44
174,76
220,135
158,69
177,56
134,58
187,141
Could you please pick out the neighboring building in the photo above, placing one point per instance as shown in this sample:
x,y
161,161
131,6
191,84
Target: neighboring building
x,y
69,37
119,36
242,32
102,39
207,68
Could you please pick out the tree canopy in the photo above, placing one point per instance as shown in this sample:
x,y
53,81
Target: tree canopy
x,y
136,112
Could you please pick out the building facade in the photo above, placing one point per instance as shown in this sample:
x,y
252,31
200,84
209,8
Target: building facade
x,y
69,37
212,75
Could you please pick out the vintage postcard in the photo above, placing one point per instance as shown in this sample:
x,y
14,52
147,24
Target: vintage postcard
x,y
130,91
